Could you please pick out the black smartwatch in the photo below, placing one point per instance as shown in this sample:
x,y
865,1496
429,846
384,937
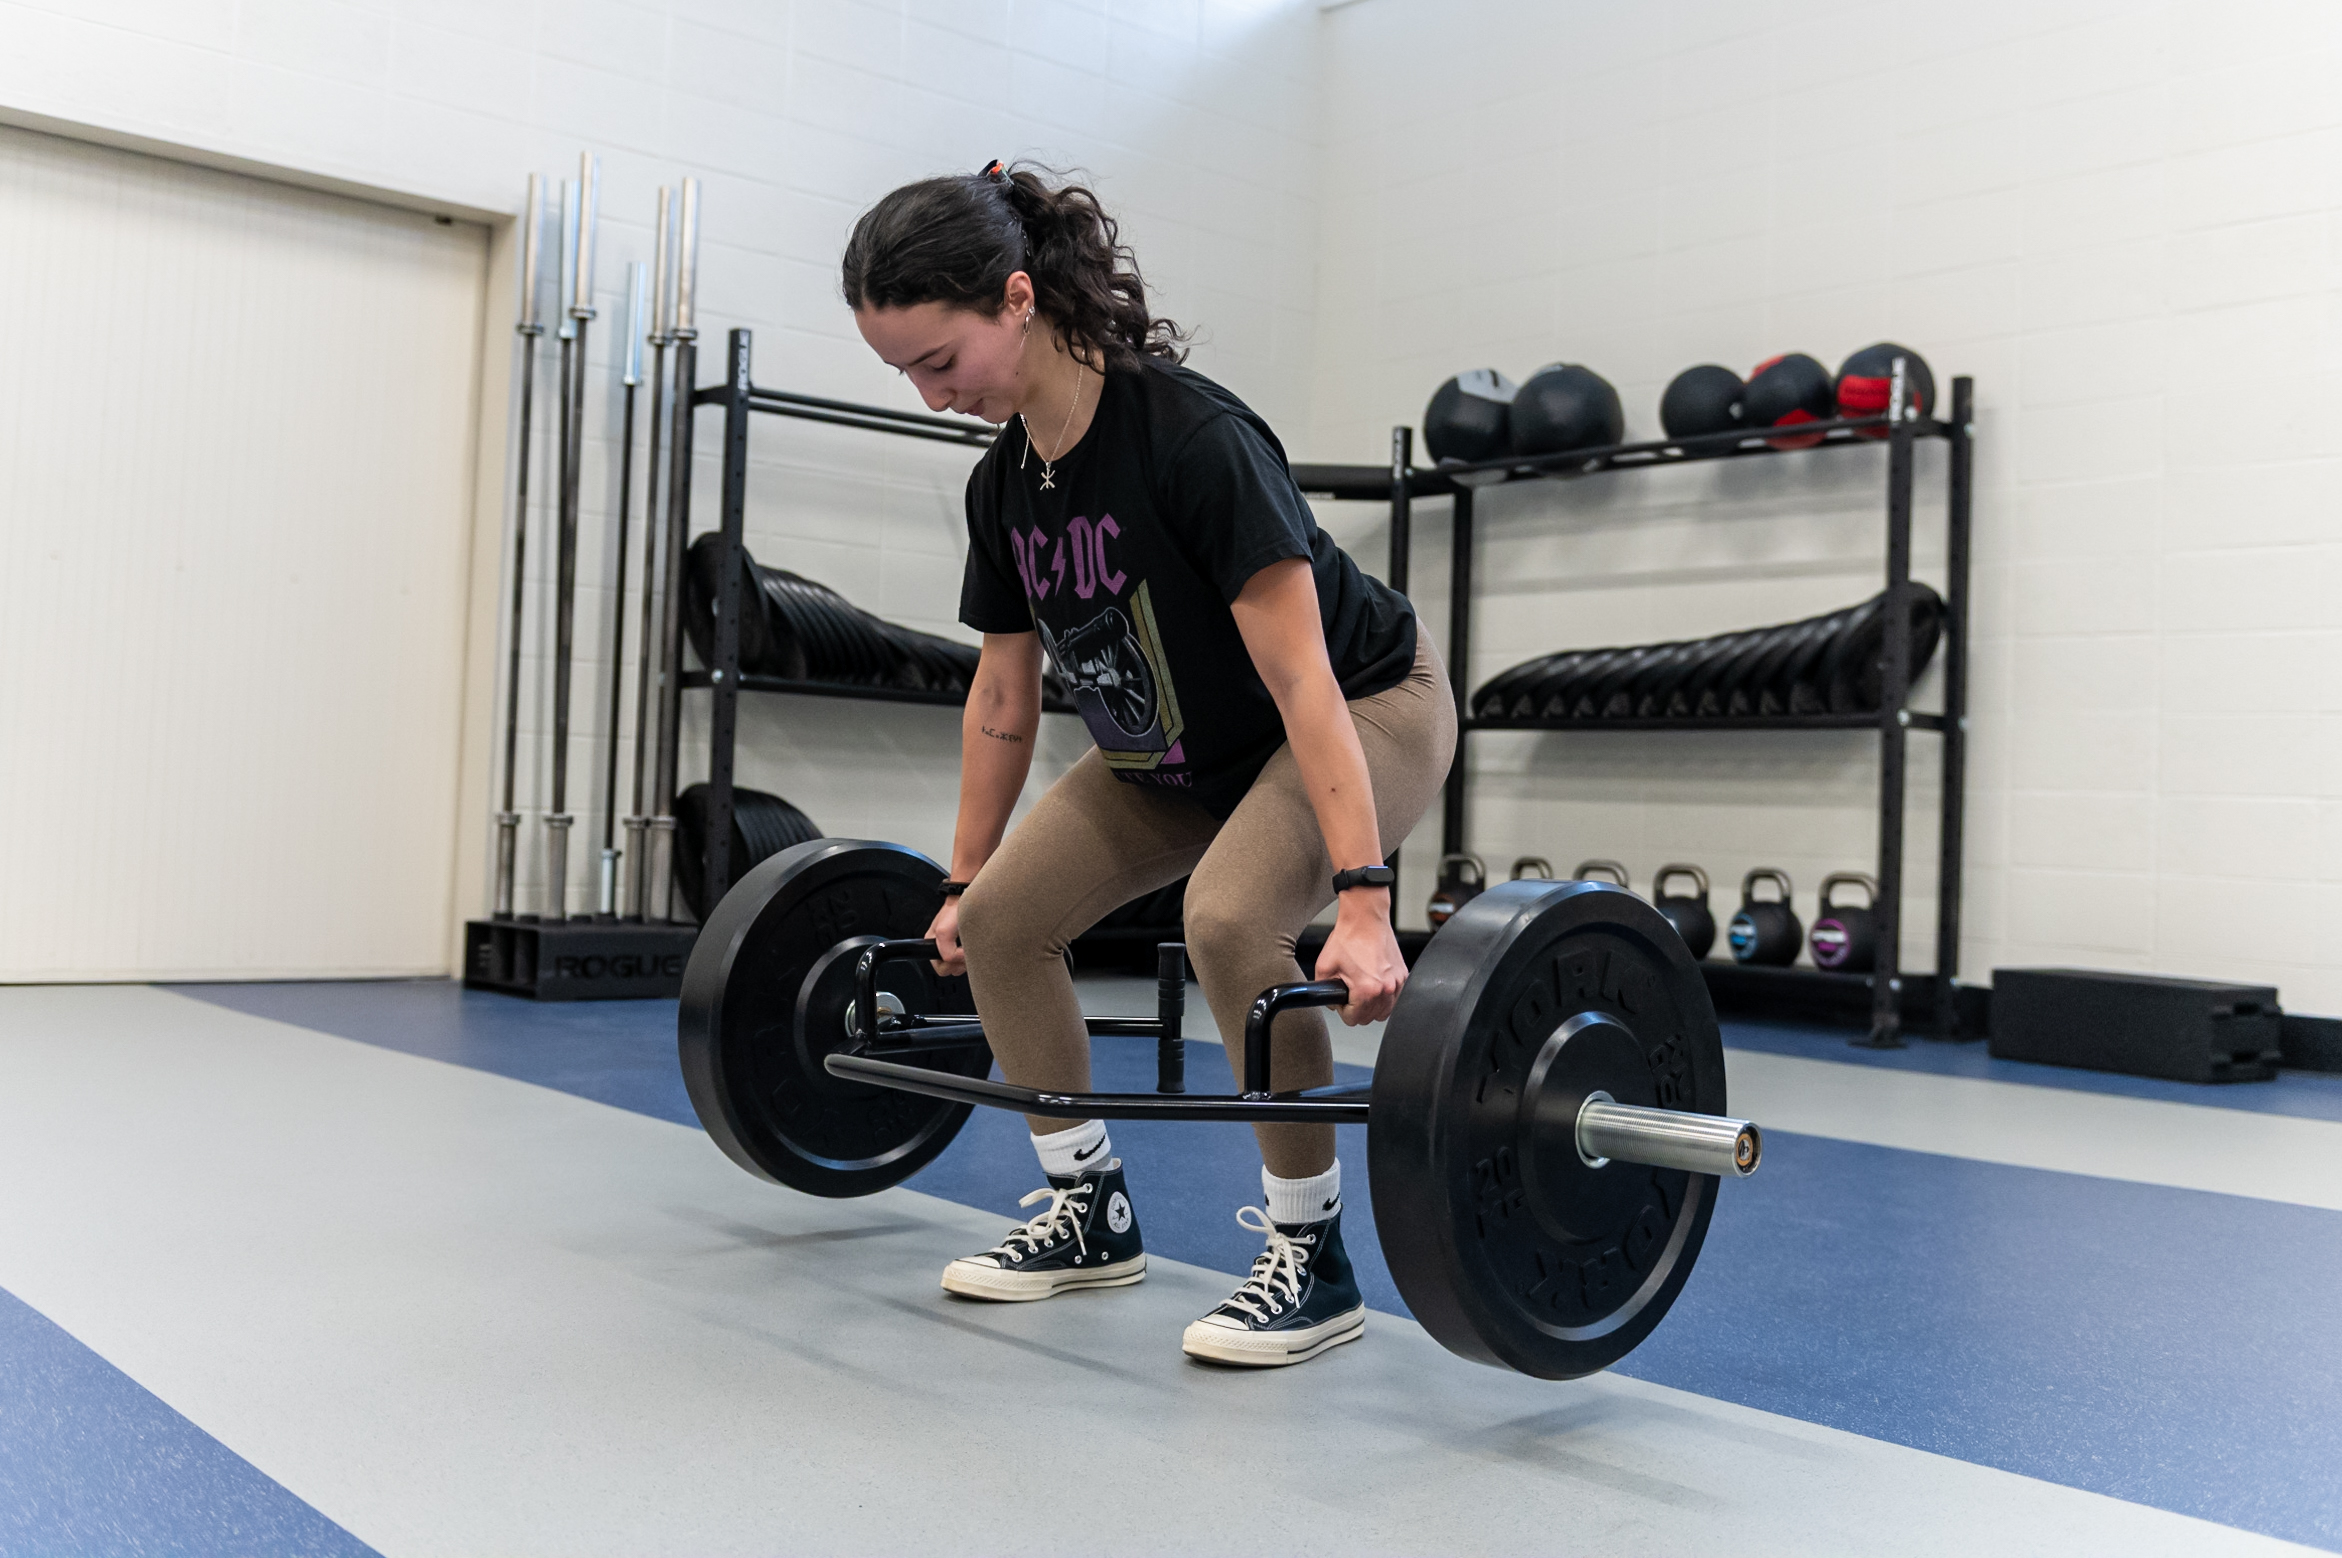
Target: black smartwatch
x,y
1363,876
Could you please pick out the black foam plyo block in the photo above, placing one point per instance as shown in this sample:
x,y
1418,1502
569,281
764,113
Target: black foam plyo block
x,y
2189,1030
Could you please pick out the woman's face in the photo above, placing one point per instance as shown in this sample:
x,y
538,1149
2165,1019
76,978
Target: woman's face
x,y
959,359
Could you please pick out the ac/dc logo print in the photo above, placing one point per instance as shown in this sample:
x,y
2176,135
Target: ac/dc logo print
x,y
1080,552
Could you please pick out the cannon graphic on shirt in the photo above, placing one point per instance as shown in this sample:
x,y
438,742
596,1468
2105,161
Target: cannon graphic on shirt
x,y
1107,670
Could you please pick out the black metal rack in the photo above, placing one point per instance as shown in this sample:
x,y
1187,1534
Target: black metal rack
x,y
1935,993
1399,483
740,398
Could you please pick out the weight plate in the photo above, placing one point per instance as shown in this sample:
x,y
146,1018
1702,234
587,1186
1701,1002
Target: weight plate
x,y
1846,651
1496,694
1560,696
765,999
1528,698
1754,695
1715,657
1811,643
1605,696
1653,691
1729,688
1803,683
1505,1244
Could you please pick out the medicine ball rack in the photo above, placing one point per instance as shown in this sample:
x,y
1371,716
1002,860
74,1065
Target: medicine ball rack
x,y
1891,995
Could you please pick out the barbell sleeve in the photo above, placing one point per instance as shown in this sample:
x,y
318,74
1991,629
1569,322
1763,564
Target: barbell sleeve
x,y
1668,1138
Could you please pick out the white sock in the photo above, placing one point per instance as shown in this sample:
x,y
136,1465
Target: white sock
x,y
1310,1200
1070,1154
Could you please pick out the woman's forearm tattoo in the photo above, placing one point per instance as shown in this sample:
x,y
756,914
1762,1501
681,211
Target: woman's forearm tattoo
x,y
1000,735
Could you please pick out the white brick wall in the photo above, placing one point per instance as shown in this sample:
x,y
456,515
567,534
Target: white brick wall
x,y
1196,117
2121,218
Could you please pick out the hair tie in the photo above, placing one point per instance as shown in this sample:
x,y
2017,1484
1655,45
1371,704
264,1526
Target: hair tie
x,y
995,172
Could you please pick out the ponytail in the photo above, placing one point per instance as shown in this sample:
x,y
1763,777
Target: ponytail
x,y
957,240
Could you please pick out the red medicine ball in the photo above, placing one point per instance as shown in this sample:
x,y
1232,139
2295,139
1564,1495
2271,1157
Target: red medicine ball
x,y
1787,390
1867,379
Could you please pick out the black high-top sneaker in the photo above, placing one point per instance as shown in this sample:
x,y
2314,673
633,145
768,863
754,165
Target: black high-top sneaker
x,y
1086,1237
1301,1298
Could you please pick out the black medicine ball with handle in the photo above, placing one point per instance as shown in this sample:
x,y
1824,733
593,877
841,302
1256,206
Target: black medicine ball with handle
x,y
1866,382
1470,418
1700,401
1562,407
1689,915
1765,931
1787,390
1845,939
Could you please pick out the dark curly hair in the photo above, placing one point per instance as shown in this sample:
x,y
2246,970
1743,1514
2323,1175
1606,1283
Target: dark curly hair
x,y
957,240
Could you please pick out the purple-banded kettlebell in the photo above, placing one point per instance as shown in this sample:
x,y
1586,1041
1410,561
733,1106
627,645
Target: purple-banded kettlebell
x,y
1845,938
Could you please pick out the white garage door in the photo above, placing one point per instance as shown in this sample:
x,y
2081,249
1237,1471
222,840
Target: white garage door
x,y
236,446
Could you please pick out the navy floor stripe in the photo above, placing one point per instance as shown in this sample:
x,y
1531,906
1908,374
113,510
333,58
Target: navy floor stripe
x,y
2174,1348
92,1463
2311,1094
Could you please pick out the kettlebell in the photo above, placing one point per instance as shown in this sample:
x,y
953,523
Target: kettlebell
x,y
1689,915
1460,879
1533,865
1845,940
1609,868
1765,932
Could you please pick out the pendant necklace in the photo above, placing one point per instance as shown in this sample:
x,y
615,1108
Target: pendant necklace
x,y
1049,466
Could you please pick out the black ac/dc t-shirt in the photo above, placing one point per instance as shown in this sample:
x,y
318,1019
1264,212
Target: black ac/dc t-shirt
x,y
1175,497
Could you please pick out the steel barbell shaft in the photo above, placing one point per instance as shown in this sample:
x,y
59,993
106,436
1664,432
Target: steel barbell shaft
x,y
1668,1138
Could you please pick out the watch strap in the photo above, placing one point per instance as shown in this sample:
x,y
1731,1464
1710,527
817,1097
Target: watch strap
x,y
1364,876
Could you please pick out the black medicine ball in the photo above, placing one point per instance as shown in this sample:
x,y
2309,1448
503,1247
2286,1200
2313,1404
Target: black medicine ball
x,y
1470,417
1787,390
1562,407
1701,400
1867,379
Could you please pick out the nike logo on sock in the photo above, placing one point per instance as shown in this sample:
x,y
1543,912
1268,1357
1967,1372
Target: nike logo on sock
x,y
1332,1206
1084,1157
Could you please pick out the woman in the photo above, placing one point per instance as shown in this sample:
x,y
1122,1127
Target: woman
x,y
1266,716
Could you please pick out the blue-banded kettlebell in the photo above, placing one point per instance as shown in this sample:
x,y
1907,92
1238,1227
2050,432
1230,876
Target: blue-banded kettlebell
x,y
1765,931
1845,938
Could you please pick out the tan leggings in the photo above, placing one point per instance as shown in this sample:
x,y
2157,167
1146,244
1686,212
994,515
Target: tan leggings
x,y
1094,843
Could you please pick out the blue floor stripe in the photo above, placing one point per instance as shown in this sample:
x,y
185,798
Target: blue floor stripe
x,y
92,1463
2311,1094
2173,1348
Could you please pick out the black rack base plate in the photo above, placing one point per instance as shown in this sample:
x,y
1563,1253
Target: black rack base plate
x,y
577,960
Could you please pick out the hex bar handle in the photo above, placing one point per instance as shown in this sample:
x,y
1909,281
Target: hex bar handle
x,y
1667,1138
1273,1001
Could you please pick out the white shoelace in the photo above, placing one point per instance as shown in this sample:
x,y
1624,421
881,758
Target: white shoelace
x,y
1277,1271
1040,1232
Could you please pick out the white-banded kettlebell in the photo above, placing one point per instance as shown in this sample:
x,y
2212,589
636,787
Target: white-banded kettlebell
x,y
1460,879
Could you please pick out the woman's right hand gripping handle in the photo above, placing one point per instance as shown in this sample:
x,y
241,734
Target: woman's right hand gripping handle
x,y
996,754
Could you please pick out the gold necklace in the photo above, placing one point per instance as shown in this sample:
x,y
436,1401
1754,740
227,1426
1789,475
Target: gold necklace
x,y
1048,465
